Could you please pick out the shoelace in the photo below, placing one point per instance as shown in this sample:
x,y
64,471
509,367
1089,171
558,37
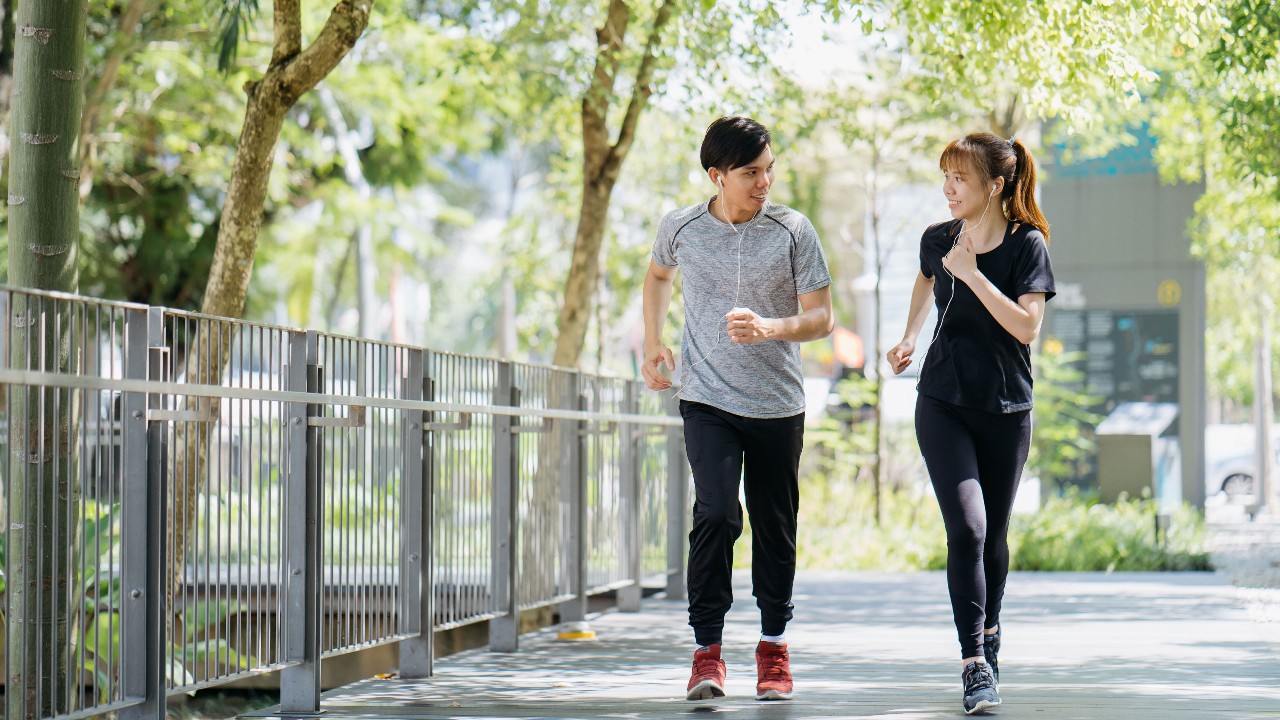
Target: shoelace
x,y
773,667
977,677
706,666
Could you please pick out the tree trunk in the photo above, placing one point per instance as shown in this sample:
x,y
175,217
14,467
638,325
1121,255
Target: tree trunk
x,y
293,72
43,230
1264,485
584,270
1006,117
602,164
877,347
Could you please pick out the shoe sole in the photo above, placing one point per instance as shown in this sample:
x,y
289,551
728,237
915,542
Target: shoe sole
x,y
982,707
705,690
773,695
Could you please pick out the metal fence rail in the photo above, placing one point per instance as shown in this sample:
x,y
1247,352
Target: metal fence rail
x,y
462,470
190,500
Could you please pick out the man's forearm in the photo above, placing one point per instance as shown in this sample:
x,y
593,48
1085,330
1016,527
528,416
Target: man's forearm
x,y
813,324
657,301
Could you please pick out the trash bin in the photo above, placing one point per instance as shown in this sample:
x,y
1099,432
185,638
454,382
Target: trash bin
x,y
1138,450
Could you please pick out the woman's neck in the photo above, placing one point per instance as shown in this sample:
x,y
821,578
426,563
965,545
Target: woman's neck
x,y
985,234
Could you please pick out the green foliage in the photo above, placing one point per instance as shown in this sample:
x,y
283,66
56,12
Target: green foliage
x,y
1069,533
843,440
1061,58
161,156
219,654
838,529
1063,442
1247,72
1216,119
234,20
1076,533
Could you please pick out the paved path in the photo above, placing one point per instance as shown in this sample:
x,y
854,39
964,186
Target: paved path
x,y
1162,646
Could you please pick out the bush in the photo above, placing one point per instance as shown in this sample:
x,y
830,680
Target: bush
x,y
1075,532
838,530
1070,533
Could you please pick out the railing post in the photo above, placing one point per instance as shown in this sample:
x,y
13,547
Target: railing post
x,y
416,590
504,630
677,505
143,641
629,595
573,488
300,681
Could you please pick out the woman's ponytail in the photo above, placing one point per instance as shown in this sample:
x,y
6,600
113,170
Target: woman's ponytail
x,y
1021,203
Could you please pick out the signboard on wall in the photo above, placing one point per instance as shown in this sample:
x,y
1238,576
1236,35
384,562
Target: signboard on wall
x,y
1129,356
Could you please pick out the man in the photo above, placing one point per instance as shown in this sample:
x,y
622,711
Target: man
x,y
755,285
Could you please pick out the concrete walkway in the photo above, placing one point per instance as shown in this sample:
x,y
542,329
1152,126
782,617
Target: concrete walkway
x,y
870,645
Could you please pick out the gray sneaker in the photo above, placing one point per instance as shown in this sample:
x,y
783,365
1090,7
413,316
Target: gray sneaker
x,y
979,688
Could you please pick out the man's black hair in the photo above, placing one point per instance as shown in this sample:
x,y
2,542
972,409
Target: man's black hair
x,y
732,142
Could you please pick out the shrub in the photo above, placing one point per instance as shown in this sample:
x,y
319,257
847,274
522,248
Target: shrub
x,y
1076,532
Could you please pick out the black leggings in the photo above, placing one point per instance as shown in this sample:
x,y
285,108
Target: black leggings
x,y
975,460
723,449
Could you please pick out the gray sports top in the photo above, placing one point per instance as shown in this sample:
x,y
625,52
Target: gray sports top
x,y
781,259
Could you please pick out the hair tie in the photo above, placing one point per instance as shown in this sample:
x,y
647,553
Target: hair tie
x,y
1010,141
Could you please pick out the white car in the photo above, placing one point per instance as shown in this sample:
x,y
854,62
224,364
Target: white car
x,y
1236,476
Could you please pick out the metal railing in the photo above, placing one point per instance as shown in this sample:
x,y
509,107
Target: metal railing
x,y
189,500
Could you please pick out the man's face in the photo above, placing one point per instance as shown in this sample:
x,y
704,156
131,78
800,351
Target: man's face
x,y
748,186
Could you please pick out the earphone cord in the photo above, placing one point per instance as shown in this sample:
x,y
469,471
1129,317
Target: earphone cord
x,y
738,291
942,318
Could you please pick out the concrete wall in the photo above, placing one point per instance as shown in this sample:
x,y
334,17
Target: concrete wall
x,y
1119,242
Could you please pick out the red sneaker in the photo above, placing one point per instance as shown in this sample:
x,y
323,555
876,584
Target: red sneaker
x,y
773,671
707,681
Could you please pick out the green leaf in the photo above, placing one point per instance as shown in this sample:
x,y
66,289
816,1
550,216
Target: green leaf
x,y
234,19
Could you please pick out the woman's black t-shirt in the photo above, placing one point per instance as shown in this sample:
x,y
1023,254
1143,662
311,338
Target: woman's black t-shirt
x,y
974,362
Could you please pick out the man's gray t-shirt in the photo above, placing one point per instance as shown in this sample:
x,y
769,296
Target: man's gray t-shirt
x,y
781,259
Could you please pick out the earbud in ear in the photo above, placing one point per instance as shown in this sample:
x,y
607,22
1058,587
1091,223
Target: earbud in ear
x,y
993,189
720,180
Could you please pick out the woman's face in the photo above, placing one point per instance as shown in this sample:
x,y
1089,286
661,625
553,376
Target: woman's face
x,y
967,192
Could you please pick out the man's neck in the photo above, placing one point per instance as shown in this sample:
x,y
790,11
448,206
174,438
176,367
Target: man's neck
x,y
735,215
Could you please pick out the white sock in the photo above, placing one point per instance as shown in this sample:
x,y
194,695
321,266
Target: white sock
x,y
773,638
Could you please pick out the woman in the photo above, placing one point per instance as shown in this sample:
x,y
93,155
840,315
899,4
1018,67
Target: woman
x,y
988,269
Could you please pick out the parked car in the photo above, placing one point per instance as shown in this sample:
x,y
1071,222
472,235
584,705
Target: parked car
x,y
1235,475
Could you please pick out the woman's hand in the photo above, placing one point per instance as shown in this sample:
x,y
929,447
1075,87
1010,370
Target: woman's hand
x,y
961,261
900,356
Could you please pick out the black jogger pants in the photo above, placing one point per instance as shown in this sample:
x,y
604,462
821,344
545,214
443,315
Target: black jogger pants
x,y
765,454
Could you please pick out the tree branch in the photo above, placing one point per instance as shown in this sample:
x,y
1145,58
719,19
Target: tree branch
x,y
595,104
288,31
341,31
641,91
106,82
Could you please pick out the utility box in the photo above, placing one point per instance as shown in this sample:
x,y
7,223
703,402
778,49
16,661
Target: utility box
x,y
1138,454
